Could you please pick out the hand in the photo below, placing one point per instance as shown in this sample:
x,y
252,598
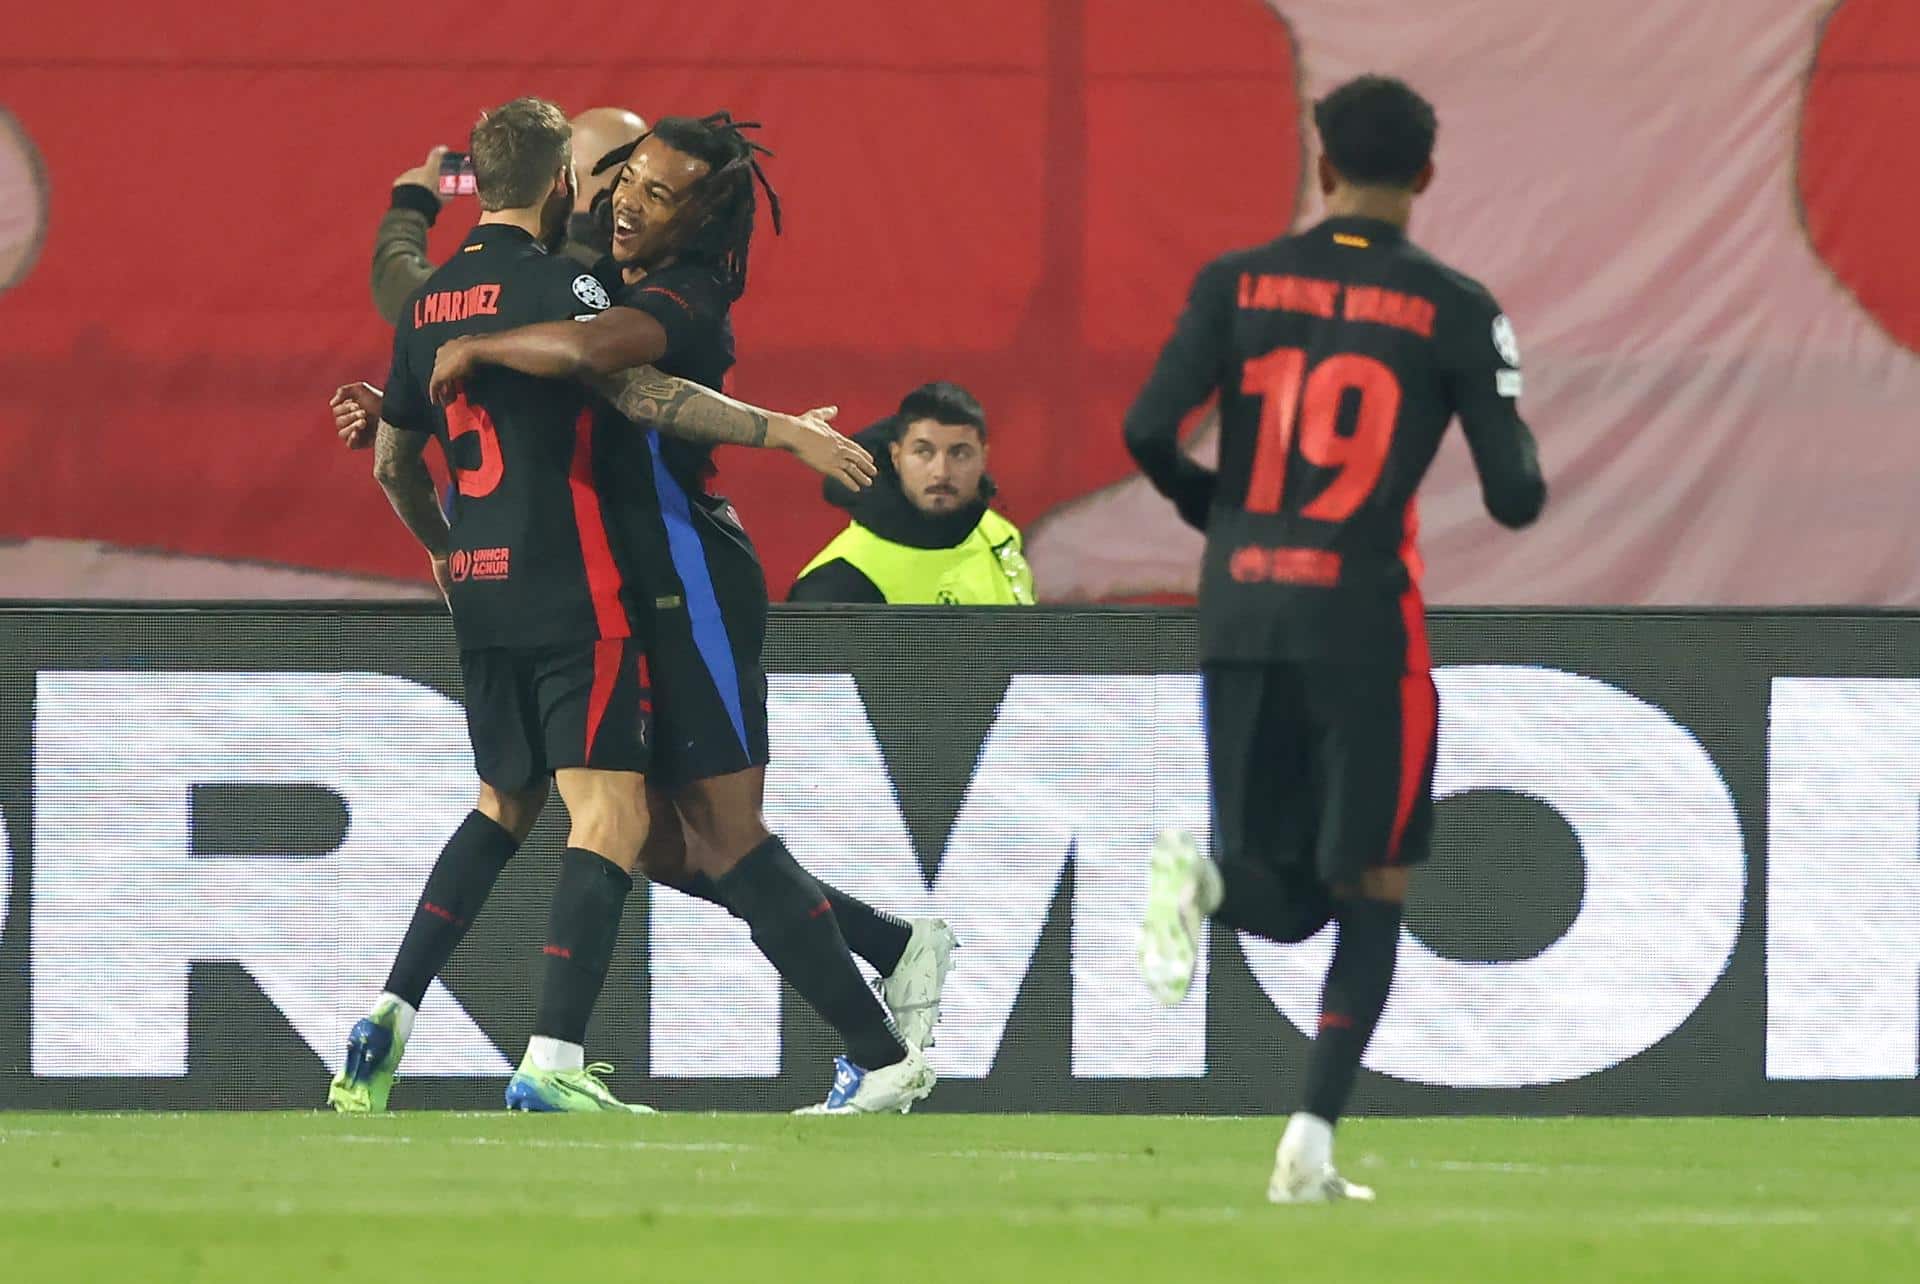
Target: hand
x,y
356,412
426,174
442,576
452,366
811,438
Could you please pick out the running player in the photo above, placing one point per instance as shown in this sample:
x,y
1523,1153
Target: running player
x,y
1339,356
684,213
552,627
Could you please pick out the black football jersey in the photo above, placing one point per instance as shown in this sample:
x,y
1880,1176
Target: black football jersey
x,y
1339,356
692,305
537,485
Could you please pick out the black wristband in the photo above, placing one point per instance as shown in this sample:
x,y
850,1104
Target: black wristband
x,y
418,198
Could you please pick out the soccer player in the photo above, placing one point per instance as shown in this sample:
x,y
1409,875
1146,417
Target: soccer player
x,y
550,617
1339,356
684,212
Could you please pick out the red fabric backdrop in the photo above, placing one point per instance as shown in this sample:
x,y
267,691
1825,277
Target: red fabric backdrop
x,y
1006,193
1013,194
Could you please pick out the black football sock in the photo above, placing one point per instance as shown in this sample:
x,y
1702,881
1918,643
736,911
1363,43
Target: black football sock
x,y
699,886
794,926
469,865
581,931
1356,991
1257,900
875,935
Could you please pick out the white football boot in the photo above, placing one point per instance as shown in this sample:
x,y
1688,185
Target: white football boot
x,y
1303,1170
1183,887
912,991
890,1090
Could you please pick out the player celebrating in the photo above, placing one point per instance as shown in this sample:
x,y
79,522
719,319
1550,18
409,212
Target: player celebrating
x,y
1339,356
684,213
550,622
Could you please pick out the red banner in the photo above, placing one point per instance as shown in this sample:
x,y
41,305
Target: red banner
x,y
1694,213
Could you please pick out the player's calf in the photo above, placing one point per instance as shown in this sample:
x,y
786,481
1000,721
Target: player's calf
x,y
458,886
609,811
793,924
1358,982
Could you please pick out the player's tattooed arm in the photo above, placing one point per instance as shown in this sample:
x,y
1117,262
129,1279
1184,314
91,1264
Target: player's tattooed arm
x,y
683,408
402,472
698,414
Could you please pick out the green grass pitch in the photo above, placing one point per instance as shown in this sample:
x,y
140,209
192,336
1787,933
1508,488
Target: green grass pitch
x,y
287,1198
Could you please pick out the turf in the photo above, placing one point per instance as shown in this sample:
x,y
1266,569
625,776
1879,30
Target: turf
x,y
287,1198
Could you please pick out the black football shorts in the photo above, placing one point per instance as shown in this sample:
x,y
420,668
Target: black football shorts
x,y
1320,767
710,686
532,711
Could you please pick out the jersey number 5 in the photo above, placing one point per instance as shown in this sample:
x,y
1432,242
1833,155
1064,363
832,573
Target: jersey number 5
x,y
464,417
1293,398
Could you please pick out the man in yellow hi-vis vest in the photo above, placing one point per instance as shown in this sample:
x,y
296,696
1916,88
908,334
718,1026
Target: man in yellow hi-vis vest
x,y
923,534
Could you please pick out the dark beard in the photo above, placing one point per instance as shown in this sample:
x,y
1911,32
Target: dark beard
x,y
594,228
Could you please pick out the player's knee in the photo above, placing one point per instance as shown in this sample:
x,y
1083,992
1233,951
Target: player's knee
x,y
724,840
609,814
513,810
1381,883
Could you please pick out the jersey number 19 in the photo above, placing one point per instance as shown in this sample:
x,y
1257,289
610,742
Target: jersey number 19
x,y
1294,399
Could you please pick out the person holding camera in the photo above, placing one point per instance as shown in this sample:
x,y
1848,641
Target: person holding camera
x,y
400,262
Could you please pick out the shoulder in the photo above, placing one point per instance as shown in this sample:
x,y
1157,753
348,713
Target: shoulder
x,y
998,529
1448,284
1222,272
564,282
1220,278
833,580
1474,326
691,288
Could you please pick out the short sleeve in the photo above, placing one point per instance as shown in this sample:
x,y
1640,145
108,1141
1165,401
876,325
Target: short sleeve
x,y
582,295
689,303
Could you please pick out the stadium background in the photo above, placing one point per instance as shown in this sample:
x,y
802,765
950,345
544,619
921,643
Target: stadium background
x,y
1702,240
1673,876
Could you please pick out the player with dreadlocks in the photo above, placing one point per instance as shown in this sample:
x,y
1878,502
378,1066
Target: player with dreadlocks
x,y
684,210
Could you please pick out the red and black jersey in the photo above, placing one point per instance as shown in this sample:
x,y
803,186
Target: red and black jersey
x,y
1339,356
692,304
538,487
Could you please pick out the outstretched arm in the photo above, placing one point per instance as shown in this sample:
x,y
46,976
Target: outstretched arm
x,y
698,414
688,410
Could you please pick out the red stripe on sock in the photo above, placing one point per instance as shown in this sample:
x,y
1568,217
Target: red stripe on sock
x,y
1334,1021
824,907
557,951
